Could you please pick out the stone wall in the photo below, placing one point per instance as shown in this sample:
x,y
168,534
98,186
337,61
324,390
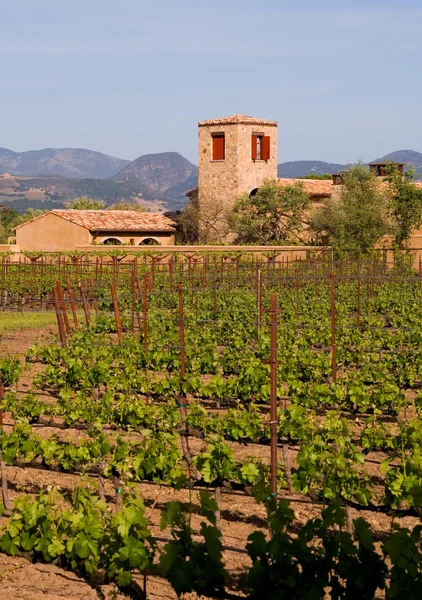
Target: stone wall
x,y
221,182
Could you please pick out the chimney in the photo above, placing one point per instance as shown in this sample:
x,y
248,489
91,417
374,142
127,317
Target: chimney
x,y
380,169
338,178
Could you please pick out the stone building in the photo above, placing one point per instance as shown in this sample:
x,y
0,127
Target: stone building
x,y
235,155
65,230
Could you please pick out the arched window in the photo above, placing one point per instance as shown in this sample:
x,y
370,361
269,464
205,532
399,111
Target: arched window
x,y
150,242
253,192
112,242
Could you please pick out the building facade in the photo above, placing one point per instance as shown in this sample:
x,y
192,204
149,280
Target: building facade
x,y
235,155
65,230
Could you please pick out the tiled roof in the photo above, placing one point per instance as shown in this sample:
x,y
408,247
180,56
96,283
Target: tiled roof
x,y
238,120
314,187
114,220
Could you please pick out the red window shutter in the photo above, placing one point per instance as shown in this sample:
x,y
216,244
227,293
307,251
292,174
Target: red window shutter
x,y
265,147
254,146
218,147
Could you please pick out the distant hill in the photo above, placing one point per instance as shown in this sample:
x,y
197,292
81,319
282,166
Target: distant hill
x,y
21,193
158,171
65,162
300,168
49,178
177,192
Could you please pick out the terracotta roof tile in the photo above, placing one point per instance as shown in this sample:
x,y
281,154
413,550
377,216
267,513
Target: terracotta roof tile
x,y
238,120
114,220
314,187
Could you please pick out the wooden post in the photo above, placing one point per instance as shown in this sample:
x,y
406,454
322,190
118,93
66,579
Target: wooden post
x,y
273,392
1,401
63,308
333,329
72,304
116,312
297,283
259,299
93,300
143,295
181,333
3,473
358,301
85,304
59,316
133,299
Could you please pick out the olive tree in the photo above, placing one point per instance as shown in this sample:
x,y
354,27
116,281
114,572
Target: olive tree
x,y
357,215
273,215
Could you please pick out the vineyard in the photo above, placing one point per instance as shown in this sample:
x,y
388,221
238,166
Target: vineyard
x,y
221,426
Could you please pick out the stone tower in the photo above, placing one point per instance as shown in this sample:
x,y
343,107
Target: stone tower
x,y
236,154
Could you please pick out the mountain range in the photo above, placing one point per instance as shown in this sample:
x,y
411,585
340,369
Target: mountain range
x,y
51,177
301,168
65,162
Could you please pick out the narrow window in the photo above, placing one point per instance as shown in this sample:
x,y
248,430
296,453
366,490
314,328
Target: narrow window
x,y
218,146
260,147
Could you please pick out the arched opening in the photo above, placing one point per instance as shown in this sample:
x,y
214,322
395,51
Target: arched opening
x,y
150,242
253,192
112,242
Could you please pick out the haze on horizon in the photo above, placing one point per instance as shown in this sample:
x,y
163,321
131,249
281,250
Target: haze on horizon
x,y
132,77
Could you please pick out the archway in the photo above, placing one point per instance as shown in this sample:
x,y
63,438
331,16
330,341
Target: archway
x,y
150,242
112,242
253,192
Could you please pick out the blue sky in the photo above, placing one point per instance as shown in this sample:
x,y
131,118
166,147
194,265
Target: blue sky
x,y
130,77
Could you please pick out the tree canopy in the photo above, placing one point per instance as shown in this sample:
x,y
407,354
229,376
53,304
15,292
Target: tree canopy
x,y
406,203
127,205
367,207
9,219
356,217
274,215
85,203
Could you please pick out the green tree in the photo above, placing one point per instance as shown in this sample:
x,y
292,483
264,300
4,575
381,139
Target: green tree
x,y
324,176
273,215
127,205
4,234
356,217
8,220
188,223
406,203
85,203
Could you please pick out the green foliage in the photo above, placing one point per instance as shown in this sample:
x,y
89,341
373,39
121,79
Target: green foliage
x,y
85,203
358,216
10,370
324,176
190,565
126,205
274,215
406,203
82,535
188,223
321,557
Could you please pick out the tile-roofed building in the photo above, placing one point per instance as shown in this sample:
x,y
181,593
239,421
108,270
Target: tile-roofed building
x,y
63,230
116,220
